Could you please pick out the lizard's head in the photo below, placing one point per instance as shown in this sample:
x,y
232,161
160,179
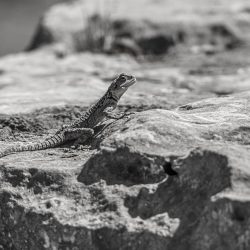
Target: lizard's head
x,y
120,84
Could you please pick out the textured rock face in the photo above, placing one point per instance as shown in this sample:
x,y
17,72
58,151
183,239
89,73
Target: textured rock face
x,y
172,174
203,205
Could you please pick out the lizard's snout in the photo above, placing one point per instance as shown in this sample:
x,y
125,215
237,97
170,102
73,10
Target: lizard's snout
x,y
131,81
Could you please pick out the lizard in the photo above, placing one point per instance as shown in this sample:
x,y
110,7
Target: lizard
x,y
83,128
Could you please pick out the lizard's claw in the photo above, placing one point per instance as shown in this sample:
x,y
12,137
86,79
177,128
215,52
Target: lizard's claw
x,y
126,114
129,113
118,117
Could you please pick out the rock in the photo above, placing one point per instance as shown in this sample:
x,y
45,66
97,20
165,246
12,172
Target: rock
x,y
125,45
229,33
81,27
156,45
41,79
213,202
44,206
45,80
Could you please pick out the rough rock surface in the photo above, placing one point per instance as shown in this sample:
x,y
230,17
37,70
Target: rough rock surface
x,y
174,174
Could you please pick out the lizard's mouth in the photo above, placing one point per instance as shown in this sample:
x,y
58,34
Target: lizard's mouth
x,y
129,83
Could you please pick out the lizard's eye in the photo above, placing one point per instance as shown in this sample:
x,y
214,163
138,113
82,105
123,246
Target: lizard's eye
x,y
122,79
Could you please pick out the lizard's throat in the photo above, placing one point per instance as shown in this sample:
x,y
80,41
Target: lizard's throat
x,y
114,97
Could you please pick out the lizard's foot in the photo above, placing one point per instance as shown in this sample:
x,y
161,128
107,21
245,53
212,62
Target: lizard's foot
x,y
80,135
78,144
127,114
120,116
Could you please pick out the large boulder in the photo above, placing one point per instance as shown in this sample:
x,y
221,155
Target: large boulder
x,y
161,178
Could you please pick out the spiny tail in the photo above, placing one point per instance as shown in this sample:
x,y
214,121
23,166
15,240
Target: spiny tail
x,y
49,143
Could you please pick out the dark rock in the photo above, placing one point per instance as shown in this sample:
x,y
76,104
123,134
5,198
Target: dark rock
x,y
210,181
156,45
227,35
122,167
125,45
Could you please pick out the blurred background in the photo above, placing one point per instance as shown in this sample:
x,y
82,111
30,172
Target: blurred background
x,y
138,28
18,21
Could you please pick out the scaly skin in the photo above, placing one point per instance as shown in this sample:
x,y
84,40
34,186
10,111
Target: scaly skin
x,y
82,129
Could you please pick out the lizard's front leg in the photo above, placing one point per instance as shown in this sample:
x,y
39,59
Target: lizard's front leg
x,y
109,113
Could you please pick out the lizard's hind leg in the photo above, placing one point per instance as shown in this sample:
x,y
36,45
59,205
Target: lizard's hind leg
x,y
79,134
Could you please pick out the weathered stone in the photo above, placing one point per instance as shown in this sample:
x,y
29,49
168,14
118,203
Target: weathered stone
x,y
214,188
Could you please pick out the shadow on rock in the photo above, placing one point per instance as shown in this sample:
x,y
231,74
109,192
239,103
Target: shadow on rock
x,y
121,166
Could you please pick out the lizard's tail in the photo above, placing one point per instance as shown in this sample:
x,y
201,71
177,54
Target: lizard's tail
x,y
49,143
